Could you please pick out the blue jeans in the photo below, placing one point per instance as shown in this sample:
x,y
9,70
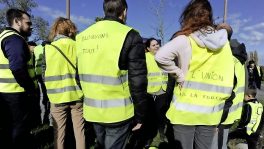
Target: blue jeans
x,y
109,137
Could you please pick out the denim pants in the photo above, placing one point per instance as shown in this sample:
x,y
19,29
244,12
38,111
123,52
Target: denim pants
x,y
110,137
189,137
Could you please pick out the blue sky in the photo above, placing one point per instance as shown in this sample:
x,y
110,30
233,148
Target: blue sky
x,y
245,16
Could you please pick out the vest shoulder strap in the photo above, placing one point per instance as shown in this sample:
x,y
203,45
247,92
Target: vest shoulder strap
x,y
59,50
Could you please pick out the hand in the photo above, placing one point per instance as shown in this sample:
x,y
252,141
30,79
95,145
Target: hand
x,y
137,127
180,84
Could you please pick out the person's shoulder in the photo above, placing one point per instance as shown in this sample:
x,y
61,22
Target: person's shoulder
x,y
14,38
133,36
133,33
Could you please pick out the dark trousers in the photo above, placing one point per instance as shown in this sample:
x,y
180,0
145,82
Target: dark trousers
x,y
161,109
112,137
252,139
15,113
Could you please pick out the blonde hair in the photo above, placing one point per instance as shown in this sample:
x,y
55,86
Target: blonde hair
x,y
64,27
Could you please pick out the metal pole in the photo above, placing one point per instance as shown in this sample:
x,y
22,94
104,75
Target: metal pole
x,y
225,11
68,9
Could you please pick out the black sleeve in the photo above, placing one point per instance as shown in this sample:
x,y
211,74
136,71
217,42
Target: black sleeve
x,y
18,54
245,117
170,88
132,58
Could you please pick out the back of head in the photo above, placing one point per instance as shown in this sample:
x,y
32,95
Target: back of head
x,y
114,8
64,27
14,13
197,15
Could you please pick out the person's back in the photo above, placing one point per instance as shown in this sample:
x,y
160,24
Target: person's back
x,y
112,70
63,91
199,100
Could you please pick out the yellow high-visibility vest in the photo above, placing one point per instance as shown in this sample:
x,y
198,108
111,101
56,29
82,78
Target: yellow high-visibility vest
x,y
259,71
236,108
208,83
105,86
256,113
8,83
38,52
60,75
157,80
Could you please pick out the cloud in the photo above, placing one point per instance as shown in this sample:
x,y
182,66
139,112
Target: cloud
x,y
250,32
253,34
78,20
236,22
258,26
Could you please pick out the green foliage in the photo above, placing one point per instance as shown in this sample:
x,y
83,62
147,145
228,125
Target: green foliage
x,y
39,24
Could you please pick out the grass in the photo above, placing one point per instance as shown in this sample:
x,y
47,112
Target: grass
x,y
43,136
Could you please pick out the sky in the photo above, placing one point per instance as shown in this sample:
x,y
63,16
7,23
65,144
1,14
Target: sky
x,y
245,16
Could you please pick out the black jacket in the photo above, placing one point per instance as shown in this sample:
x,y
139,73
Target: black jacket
x,y
238,50
132,58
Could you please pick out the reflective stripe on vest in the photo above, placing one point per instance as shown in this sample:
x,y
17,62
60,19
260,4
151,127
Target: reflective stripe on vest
x,y
256,114
239,89
105,86
197,108
109,103
103,79
157,80
60,75
8,84
208,83
259,71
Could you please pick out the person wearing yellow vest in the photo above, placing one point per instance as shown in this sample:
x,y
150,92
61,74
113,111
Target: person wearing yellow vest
x,y
251,121
157,85
207,65
17,88
36,121
113,76
45,104
233,108
64,93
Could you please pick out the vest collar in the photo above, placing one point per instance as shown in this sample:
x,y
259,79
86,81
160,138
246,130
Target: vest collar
x,y
112,18
12,29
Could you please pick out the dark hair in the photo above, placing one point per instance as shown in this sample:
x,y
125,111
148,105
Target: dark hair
x,y
251,62
114,7
148,41
252,92
32,43
13,13
197,15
